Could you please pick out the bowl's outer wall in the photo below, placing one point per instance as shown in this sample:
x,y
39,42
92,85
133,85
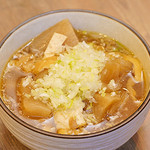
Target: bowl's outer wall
x,y
83,21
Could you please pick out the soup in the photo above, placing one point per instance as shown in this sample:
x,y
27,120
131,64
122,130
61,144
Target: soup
x,y
73,82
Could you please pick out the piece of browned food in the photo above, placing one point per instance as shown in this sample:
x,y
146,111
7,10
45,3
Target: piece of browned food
x,y
28,65
72,123
139,87
130,88
115,69
135,89
10,81
35,109
128,106
72,127
63,27
105,105
25,63
137,67
44,63
69,119
40,74
55,46
31,107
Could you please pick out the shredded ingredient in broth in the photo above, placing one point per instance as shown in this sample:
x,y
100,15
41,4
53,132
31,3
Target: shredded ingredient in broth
x,y
73,82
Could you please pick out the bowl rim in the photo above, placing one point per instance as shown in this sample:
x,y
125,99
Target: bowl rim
x,y
89,135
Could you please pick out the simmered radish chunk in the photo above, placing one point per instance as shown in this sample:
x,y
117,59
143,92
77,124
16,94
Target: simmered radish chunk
x,y
29,106
114,69
105,104
64,27
34,108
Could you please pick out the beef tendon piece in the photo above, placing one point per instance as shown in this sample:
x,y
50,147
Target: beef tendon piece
x,y
105,105
115,69
63,27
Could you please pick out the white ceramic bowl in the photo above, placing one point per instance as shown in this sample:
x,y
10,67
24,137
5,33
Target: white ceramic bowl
x,y
86,20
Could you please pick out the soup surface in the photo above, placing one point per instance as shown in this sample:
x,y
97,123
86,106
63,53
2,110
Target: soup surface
x,y
73,82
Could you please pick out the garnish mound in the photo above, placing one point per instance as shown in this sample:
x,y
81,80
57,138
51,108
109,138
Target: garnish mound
x,y
74,77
